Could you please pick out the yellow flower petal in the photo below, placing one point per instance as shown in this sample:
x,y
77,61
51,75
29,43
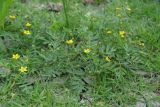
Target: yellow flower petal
x,y
69,42
108,59
15,56
28,24
12,17
26,32
87,51
23,69
122,33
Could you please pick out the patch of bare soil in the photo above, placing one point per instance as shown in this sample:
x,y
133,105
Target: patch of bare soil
x,y
88,1
56,7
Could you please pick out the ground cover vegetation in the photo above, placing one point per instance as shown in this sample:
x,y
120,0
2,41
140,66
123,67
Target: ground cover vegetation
x,y
73,53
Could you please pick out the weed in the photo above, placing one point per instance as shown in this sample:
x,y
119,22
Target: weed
x,y
102,55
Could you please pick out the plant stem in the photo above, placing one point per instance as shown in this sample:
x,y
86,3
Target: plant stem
x,y
66,12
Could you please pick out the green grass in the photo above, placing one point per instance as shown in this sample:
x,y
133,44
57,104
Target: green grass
x,y
62,75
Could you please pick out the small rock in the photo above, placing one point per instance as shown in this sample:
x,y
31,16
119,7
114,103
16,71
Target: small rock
x,y
88,1
55,6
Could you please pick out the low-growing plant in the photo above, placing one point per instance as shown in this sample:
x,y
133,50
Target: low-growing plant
x,y
101,55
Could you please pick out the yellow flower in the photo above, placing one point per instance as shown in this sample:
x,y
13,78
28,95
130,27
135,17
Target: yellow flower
x,y
108,59
23,69
69,42
109,32
15,56
122,33
28,24
26,32
12,17
87,51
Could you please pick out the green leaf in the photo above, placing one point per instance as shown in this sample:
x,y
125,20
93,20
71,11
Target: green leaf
x,y
4,8
2,46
